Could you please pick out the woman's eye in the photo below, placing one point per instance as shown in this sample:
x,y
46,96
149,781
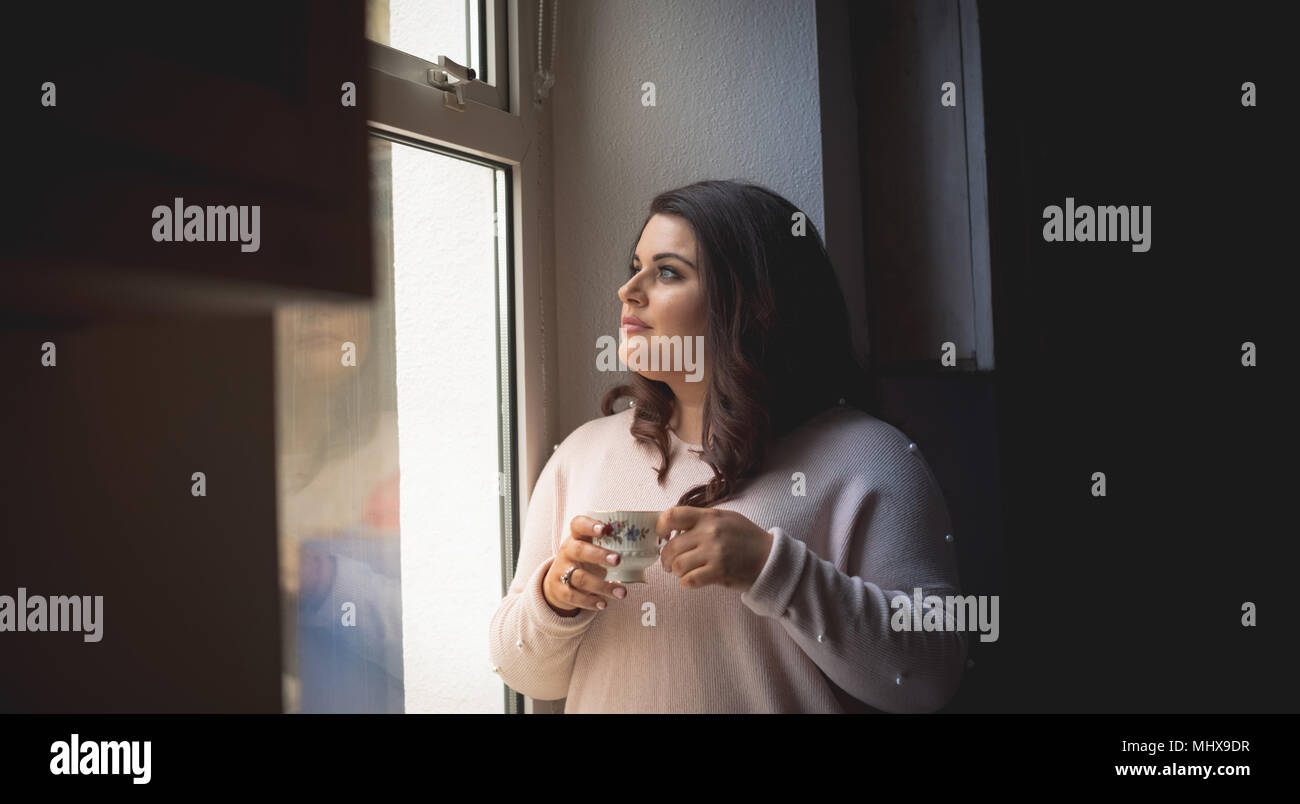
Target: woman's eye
x,y
634,270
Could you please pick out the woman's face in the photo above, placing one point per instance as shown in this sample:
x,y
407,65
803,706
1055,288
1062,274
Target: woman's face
x,y
314,334
664,291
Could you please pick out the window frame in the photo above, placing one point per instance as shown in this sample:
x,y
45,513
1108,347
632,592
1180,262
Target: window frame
x,y
491,86
497,127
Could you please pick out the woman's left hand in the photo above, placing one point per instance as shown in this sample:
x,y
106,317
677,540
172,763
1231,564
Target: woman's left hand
x,y
714,547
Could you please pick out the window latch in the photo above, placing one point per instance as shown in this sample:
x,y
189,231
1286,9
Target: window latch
x,y
442,77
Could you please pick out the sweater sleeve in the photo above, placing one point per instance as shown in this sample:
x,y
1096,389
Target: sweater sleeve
x,y
532,647
892,539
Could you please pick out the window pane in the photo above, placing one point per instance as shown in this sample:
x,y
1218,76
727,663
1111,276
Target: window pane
x,y
370,627
425,28
445,258
338,496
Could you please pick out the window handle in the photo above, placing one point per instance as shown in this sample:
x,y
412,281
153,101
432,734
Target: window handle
x,y
441,76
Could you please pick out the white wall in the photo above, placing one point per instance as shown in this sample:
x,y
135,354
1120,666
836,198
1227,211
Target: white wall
x,y
737,98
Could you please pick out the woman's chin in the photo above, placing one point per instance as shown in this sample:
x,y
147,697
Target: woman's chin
x,y
659,376
635,366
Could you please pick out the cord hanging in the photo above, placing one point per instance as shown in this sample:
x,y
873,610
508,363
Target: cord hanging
x,y
544,78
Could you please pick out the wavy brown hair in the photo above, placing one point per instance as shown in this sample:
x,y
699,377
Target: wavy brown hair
x,y
777,337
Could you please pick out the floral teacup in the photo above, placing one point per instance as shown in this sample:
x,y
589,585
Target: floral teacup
x,y
632,535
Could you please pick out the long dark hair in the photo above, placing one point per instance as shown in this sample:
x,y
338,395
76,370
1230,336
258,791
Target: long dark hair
x,y
777,339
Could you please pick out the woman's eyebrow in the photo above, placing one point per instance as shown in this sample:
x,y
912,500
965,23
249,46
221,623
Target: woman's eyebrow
x,y
664,254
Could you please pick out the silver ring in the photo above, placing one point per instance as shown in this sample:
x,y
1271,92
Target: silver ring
x,y
568,574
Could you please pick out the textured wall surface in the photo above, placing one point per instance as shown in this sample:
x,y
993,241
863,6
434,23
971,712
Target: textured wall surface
x,y
736,98
447,409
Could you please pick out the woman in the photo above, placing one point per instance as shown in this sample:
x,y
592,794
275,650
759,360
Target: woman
x,y
797,526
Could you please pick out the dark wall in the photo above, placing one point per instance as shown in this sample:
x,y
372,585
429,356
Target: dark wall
x,y
164,349
99,453
1131,363
1108,360
243,109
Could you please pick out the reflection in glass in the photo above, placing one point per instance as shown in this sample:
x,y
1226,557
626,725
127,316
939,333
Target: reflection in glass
x,y
338,498
384,604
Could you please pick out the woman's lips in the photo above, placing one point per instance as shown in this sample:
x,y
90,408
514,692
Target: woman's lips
x,y
631,324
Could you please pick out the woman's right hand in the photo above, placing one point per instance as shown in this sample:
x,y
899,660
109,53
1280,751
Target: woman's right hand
x,y
587,586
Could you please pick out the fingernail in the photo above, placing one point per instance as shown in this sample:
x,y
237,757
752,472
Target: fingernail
x,y
612,558
600,529
600,604
620,593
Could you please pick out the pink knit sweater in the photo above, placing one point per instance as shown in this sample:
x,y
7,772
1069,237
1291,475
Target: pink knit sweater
x,y
856,517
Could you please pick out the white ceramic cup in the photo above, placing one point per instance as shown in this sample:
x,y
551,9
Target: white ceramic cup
x,y
632,536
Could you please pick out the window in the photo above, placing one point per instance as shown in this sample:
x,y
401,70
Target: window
x,y
399,448
408,36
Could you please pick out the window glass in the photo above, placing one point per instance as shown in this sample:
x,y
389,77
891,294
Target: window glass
x,y
426,28
385,604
